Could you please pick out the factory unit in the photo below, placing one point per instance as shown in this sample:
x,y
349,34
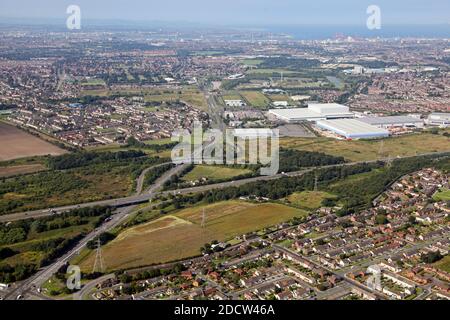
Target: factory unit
x,y
314,112
394,121
439,119
352,129
234,103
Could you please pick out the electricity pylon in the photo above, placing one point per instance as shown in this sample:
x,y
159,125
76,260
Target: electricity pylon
x,y
99,263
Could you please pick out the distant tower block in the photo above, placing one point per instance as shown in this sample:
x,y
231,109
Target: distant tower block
x,y
99,263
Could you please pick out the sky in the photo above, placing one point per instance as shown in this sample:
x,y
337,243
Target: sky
x,y
236,12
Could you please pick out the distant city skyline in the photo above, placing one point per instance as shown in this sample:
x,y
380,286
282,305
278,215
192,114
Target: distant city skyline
x,y
236,12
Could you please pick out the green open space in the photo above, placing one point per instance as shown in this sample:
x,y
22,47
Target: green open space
x,y
362,150
443,264
181,235
442,195
255,98
214,173
309,199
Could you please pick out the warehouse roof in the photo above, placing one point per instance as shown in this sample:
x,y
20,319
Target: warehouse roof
x,y
439,116
352,128
295,113
390,120
313,112
328,108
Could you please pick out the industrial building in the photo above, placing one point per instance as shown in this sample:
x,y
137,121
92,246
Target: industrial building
x,y
352,129
235,103
439,119
394,121
314,112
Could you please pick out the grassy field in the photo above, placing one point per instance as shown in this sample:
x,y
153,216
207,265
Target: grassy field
x,y
190,95
180,235
16,143
362,150
96,92
344,183
93,82
279,97
271,71
231,96
443,264
27,253
207,53
114,147
443,195
214,173
59,188
159,141
256,98
309,199
10,171
94,181
252,62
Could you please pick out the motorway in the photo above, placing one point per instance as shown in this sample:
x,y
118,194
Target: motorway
x,y
122,213
38,279
141,179
125,207
120,202
146,196
215,112
149,194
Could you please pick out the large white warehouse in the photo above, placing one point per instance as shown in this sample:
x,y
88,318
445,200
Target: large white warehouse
x,y
439,119
352,129
314,112
393,121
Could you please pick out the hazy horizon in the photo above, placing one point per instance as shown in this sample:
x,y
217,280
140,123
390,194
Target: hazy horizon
x,y
234,12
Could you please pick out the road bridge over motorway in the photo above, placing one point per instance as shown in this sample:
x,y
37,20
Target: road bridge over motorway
x,y
153,191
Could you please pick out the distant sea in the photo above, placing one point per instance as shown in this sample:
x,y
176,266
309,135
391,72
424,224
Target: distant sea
x,y
310,32
299,32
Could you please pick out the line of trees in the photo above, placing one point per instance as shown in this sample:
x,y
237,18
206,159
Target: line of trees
x,y
359,193
274,189
156,173
49,249
81,159
292,160
132,142
355,196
